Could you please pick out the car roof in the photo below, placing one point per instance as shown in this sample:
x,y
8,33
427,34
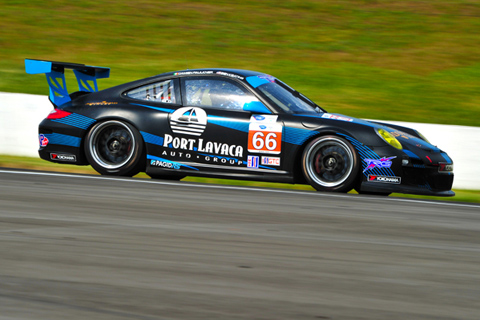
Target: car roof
x,y
240,72
237,73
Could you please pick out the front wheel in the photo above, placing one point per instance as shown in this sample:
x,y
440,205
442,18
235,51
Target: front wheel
x,y
115,148
330,163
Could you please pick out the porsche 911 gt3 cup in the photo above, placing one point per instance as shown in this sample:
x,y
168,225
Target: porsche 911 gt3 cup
x,y
229,123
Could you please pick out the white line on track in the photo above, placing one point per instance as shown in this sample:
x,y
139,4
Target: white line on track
x,y
209,186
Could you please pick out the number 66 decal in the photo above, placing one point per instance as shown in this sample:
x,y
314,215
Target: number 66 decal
x,y
264,135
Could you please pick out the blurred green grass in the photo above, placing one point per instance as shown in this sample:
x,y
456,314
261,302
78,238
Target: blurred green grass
x,y
412,60
471,196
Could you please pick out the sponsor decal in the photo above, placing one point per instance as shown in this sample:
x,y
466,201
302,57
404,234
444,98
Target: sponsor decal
x,y
63,157
385,179
401,134
200,145
43,140
271,161
253,162
206,157
219,159
264,119
189,121
192,73
101,103
335,117
231,75
265,134
165,164
177,154
445,167
267,77
378,163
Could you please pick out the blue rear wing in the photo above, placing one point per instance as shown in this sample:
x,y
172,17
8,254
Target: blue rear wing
x,y
55,71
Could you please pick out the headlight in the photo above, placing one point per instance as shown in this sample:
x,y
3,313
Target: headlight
x,y
389,138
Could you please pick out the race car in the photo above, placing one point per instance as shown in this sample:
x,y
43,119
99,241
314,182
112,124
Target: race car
x,y
229,123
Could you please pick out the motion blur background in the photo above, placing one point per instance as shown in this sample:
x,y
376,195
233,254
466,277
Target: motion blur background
x,y
412,60
78,247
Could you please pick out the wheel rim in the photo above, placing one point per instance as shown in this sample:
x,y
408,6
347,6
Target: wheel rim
x,y
329,162
112,144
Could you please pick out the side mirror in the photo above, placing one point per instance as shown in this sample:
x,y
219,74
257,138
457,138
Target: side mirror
x,y
255,107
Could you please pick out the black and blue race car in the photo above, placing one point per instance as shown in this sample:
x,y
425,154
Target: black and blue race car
x,y
229,123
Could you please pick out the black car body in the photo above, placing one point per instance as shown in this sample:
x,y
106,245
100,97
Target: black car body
x,y
229,123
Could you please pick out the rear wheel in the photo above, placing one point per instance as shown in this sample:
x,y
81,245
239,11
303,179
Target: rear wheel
x,y
115,148
330,163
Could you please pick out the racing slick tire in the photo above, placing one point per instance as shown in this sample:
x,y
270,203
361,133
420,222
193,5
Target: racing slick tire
x,y
115,148
330,163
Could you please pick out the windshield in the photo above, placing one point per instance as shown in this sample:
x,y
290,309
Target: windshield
x,y
288,99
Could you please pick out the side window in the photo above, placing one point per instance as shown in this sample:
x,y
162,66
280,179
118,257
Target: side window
x,y
159,92
216,93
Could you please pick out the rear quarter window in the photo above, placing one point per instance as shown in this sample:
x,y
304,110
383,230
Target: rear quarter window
x,y
158,92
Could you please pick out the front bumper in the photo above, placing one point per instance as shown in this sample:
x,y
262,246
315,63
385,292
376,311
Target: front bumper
x,y
420,179
377,188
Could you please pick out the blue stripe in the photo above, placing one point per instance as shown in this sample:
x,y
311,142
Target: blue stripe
x,y
154,108
367,153
63,139
297,136
255,81
264,167
76,120
446,157
151,138
411,154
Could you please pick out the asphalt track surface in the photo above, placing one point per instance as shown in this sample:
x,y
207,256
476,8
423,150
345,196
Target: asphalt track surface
x,y
88,247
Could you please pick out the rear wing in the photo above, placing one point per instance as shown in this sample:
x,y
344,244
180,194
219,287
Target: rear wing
x,y
55,71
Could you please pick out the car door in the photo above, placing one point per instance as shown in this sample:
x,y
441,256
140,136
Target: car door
x,y
215,133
